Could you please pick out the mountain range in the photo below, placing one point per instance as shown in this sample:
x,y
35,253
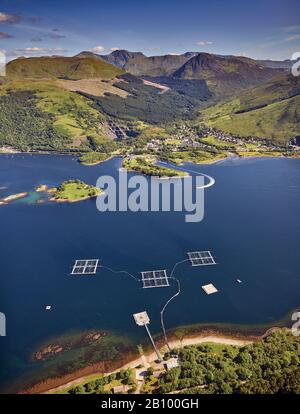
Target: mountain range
x,y
138,64
224,75
79,97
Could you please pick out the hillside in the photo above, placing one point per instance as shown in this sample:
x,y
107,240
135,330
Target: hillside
x,y
42,107
268,111
38,115
77,104
225,75
146,102
61,67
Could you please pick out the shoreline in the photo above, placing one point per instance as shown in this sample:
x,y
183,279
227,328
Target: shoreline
x,y
86,164
61,200
15,151
57,384
204,162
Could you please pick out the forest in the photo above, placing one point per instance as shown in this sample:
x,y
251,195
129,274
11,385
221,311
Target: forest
x,y
269,366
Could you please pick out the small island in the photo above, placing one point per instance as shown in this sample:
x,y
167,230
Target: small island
x,y
12,197
74,190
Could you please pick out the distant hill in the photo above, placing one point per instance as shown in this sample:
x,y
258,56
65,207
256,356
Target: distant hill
x,y
225,75
140,65
270,110
276,64
61,67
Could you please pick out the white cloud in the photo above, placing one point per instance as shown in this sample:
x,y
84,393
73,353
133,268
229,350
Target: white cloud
x,y
204,43
292,38
36,51
153,49
9,18
291,29
98,49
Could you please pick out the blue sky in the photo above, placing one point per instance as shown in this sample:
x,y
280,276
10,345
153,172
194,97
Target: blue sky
x,y
257,28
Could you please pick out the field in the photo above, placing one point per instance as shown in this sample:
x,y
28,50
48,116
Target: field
x,y
95,87
195,156
212,140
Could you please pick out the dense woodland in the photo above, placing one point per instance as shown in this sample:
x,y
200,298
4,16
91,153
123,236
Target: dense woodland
x,y
145,103
269,366
24,126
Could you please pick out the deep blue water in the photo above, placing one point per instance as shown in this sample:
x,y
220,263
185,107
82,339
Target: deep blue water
x,y
251,225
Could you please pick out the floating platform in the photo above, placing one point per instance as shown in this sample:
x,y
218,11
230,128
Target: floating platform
x,y
201,258
85,267
209,289
141,318
155,279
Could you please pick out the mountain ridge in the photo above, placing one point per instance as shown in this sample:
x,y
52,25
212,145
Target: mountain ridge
x,y
61,67
225,75
139,64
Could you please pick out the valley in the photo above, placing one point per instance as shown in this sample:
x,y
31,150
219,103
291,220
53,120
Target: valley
x,y
188,108
183,113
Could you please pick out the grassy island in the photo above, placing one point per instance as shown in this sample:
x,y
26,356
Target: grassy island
x,y
75,190
147,167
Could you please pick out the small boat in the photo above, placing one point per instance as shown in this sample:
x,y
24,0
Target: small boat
x,y
238,280
48,307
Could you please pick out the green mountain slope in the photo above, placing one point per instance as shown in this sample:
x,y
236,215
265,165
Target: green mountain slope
x,y
61,67
40,106
225,75
145,102
71,103
71,121
270,111
23,125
